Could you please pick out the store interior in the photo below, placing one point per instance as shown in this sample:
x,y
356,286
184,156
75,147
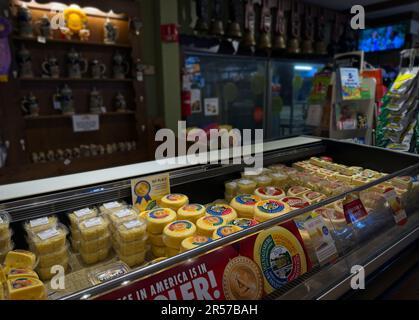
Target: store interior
x,y
88,86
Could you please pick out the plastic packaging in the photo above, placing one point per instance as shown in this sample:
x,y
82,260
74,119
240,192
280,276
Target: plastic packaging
x,y
93,245
94,257
108,272
133,260
119,216
4,223
51,259
40,224
131,230
6,240
93,228
110,207
45,273
80,215
132,247
48,241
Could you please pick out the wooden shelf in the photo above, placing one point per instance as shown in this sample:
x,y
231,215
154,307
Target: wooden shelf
x,y
74,80
63,116
74,42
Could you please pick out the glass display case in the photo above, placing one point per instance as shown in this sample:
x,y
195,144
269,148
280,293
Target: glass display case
x,y
306,248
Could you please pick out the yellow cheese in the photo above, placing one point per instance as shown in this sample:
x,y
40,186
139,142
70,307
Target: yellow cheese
x,y
94,228
174,201
143,215
269,209
343,178
243,223
246,186
131,248
222,210
280,257
193,242
41,224
297,191
49,240
170,252
2,275
158,251
4,224
94,257
1,292
80,215
263,181
175,232
157,219
279,180
109,207
46,273
231,187
48,260
93,245
21,272
25,288
120,216
244,205
132,260
20,259
225,231
131,230
156,240
266,193
208,224
191,212
313,197
250,174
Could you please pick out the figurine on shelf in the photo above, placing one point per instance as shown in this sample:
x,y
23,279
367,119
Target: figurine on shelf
x,y
25,62
121,147
44,27
111,32
50,156
50,68
76,23
41,157
120,66
59,155
100,149
63,100
76,64
139,70
35,157
96,102
120,103
68,154
76,153
93,150
85,151
24,20
30,105
98,69
136,24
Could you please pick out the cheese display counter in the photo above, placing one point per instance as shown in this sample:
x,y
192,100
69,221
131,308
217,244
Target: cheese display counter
x,y
295,229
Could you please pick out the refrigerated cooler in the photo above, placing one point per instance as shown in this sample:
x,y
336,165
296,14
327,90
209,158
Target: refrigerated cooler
x,y
273,259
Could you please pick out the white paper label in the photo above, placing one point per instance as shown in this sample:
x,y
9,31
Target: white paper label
x,y
39,222
42,39
132,224
92,222
44,235
111,205
86,123
123,213
82,212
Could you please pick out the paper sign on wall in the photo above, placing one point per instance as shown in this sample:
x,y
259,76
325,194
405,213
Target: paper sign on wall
x,y
211,106
86,123
314,115
196,104
146,191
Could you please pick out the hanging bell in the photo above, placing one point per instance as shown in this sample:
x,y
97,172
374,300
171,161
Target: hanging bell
x,y
249,39
235,30
294,46
280,42
217,28
307,47
265,41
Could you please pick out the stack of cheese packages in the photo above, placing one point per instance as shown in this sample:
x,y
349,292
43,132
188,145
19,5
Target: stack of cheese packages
x,y
47,239
128,234
6,243
90,235
18,280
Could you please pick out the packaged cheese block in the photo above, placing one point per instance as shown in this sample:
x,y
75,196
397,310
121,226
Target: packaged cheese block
x,y
269,209
402,182
297,191
243,223
295,203
110,207
94,257
170,252
245,205
194,242
343,178
208,224
222,210
133,260
263,181
93,228
279,180
75,233
20,259
279,256
156,240
6,240
5,251
313,197
25,288
191,212
277,167
367,173
231,187
158,251
48,241
246,186
316,161
120,216
80,215
298,165
265,193
175,232
131,230
334,219
21,272
107,272
4,224
38,225
47,273
93,245
157,219
2,275
250,174
174,201
50,259
1,292
131,248
225,231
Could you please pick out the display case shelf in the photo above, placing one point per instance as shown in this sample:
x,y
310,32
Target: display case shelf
x,y
64,116
127,80
74,42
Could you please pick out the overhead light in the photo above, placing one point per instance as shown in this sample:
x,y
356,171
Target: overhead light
x,y
303,68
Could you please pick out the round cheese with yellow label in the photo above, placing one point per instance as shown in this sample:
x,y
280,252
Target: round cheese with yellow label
x,y
191,212
175,232
157,219
158,251
156,239
280,257
269,209
243,223
222,210
174,201
244,205
266,193
297,190
193,242
208,224
170,252
225,231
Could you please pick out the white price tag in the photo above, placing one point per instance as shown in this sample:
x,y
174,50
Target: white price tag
x,y
47,234
57,105
42,39
133,224
123,213
92,222
111,205
39,222
86,123
82,212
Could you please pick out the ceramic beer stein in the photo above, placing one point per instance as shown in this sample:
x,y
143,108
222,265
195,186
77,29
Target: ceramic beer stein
x,y
50,68
97,69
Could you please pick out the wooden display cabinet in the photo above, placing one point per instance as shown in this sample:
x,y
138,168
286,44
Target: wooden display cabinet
x,y
52,130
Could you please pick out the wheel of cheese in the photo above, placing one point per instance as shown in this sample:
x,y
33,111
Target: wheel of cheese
x,y
266,193
194,242
297,191
158,252
157,219
174,201
221,210
243,223
295,203
208,224
313,196
191,212
270,209
245,205
156,239
225,231
279,180
143,214
280,257
175,232
263,181
334,219
170,252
